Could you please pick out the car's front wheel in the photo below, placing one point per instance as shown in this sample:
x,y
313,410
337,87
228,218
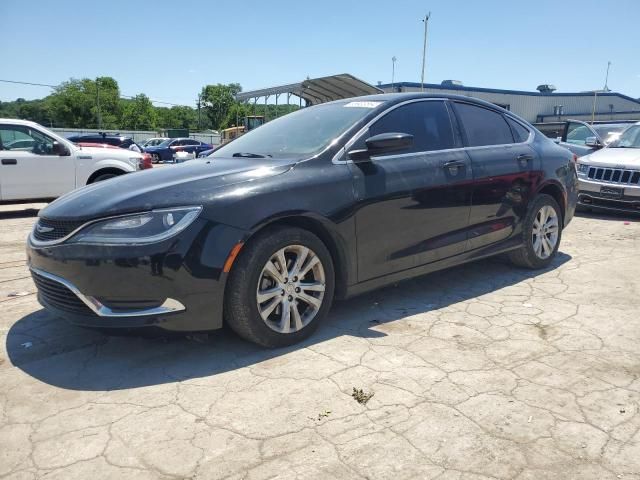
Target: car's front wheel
x,y
280,288
542,231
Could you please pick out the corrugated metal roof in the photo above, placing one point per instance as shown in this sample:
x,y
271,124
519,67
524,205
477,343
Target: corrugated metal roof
x,y
318,90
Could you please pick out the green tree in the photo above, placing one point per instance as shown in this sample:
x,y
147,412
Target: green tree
x,y
138,114
177,117
218,100
86,103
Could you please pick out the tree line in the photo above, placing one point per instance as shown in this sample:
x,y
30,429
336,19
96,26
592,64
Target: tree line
x,y
97,103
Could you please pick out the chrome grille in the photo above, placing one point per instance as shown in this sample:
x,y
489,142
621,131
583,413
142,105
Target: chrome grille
x,y
49,230
614,175
58,296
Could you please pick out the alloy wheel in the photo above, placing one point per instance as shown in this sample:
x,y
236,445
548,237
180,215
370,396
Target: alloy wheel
x,y
545,232
291,289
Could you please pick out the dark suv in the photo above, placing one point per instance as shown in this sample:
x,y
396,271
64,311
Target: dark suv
x,y
114,140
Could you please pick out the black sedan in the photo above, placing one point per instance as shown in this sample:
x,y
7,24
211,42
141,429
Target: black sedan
x,y
327,202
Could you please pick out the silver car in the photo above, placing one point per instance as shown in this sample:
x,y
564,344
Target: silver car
x,y
609,178
583,138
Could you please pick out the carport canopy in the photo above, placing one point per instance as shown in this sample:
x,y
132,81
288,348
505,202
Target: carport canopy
x,y
317,90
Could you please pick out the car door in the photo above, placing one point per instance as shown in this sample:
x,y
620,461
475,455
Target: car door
x,y
505,167
34,171
191,146
413,206
575,137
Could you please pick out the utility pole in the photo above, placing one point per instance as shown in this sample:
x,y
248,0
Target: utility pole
x,y
199,103
393,73
98,103
595,94
424,48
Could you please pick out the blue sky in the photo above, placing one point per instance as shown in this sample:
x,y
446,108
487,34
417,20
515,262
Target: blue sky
x,y
170,49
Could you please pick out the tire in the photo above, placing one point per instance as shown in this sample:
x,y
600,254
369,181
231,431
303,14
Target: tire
x,y
155,158
242,310
528,256
104,176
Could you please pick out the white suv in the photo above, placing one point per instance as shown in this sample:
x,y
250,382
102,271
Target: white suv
x,y
35,163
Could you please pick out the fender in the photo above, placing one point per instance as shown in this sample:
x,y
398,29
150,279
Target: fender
x,y
335,236
87,166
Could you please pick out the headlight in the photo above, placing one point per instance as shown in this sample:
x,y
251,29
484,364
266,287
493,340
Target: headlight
x,y
142,228
583,168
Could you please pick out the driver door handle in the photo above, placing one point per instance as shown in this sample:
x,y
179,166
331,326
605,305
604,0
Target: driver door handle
x,y
452,166
524,159
9,161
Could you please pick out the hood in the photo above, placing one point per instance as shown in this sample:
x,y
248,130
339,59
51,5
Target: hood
x,y
196,182
110,151
628,158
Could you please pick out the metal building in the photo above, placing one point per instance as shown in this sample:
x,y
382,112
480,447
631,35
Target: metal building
x,y
313,91
544,105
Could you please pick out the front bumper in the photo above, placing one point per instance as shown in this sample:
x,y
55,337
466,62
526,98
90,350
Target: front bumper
x,y
175,285
590,195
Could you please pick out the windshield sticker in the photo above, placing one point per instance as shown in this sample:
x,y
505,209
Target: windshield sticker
x,y
362,104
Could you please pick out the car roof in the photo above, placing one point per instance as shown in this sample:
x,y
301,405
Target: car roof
x,y
393,98
17,121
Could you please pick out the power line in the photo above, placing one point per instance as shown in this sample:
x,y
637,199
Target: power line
x,y
128,97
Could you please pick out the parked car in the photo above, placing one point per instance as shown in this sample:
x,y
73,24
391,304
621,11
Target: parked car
x,y
165,150
206,153
576,133
114,140
146,158
152,142
610,177
53,165
329,201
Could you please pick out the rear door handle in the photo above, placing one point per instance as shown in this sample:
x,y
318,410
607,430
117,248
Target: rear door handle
x,y
9,161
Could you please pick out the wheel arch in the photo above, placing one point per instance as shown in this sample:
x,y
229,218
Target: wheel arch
x,y
325,234
555,191
103,171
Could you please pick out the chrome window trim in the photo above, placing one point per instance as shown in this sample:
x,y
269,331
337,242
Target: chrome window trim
x,y
343,151
39,243
170,305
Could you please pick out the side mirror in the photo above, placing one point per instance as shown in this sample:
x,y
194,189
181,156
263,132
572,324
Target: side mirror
x,y
557,139
593,142
382,143
60,149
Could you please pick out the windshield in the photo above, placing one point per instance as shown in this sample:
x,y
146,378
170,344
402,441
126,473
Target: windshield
x,y
301,133
630,138
609,133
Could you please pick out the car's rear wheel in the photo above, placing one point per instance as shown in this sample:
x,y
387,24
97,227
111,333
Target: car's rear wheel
x,y
542,231
155,158
280,288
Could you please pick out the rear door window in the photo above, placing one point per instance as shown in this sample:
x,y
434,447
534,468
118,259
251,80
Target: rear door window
x,y
483,126
520,133
427,121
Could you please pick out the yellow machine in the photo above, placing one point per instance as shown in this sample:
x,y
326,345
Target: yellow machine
x,y
248,123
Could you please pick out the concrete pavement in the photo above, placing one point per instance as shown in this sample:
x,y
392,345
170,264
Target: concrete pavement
x,y
483,371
